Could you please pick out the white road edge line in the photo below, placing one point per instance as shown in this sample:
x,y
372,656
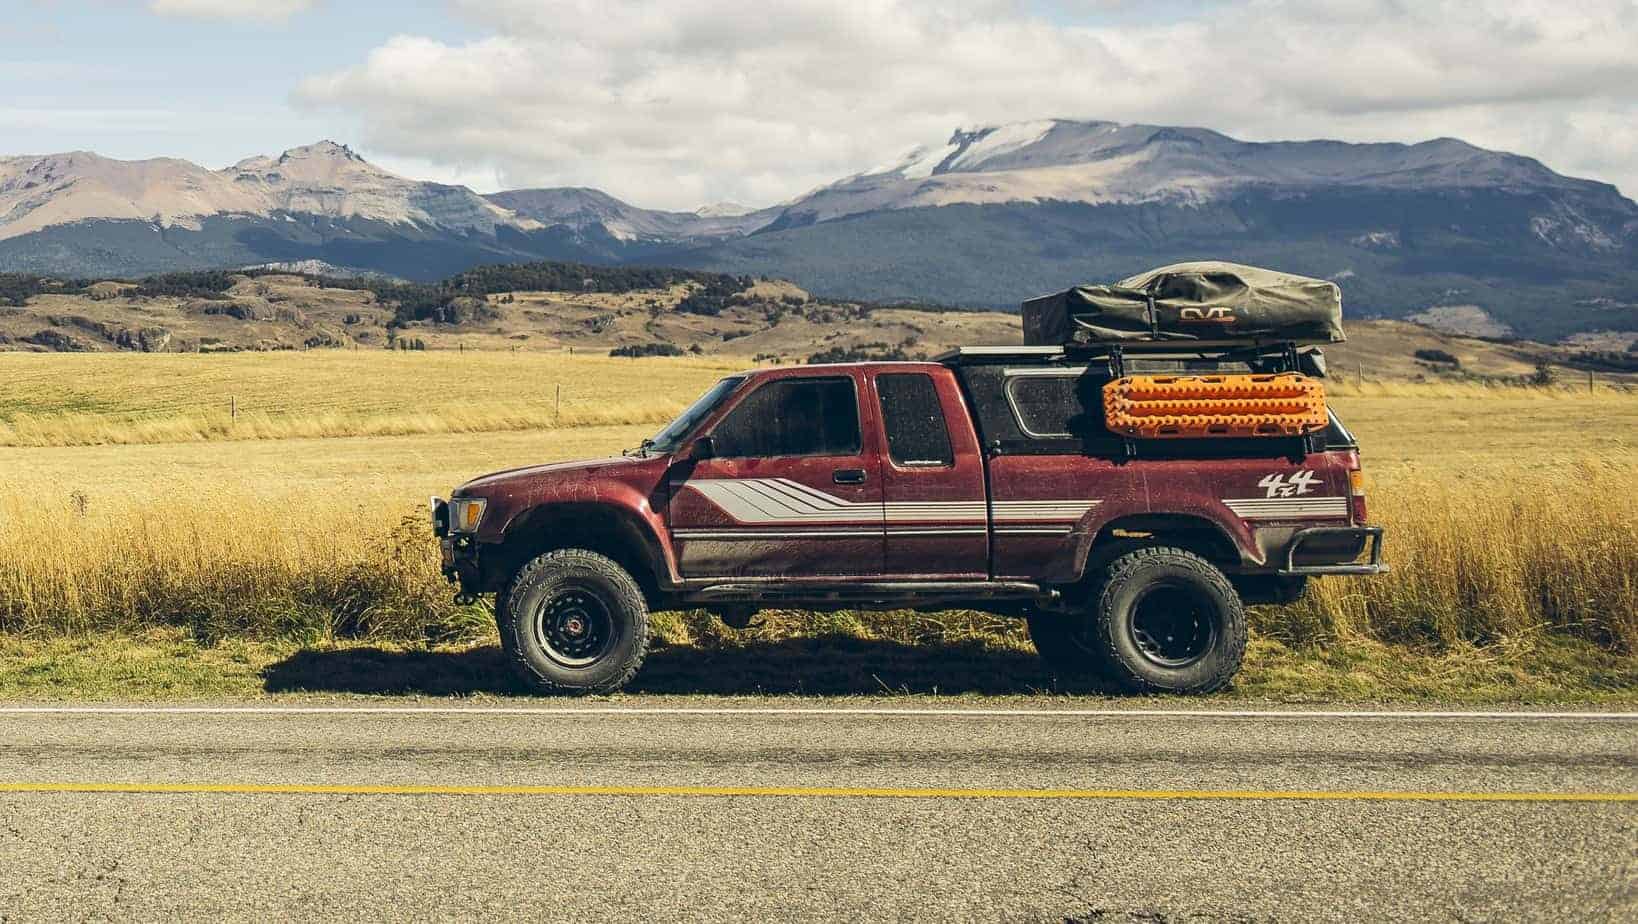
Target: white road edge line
x,y
572,711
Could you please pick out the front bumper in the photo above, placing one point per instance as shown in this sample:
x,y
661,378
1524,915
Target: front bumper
x,y
458,554
1362,540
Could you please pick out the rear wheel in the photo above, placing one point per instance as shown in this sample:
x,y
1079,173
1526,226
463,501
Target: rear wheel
x,y
1162,620
574,621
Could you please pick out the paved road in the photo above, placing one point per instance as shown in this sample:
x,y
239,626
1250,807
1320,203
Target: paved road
x,y
600,811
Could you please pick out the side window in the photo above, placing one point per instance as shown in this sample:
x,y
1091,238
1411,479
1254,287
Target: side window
x,y
792,417
1056,405
916,431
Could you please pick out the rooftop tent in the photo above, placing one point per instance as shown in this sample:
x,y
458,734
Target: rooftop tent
x,y
1191,301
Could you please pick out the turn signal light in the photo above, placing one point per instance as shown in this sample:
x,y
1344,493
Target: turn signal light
x,y
1356,492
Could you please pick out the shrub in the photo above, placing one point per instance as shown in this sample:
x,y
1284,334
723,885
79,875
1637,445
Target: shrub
x,y
862,353
17,288
647,349
208,286
1438,356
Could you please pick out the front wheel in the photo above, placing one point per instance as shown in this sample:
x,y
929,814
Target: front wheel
x,y
574,621
1163,620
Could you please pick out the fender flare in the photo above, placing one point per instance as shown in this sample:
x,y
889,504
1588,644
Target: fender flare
x,y
628,528
1224,540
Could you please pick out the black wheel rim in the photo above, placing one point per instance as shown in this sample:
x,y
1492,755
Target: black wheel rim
x,y
574,627
1173,625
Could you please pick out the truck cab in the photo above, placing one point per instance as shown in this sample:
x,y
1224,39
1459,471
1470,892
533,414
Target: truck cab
x,y
987,479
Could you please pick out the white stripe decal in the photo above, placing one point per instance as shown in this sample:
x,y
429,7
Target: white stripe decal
x,y
725,536
768,501
1288,508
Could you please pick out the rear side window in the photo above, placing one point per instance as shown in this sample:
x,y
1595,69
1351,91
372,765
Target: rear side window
x,y
916,431
1056,404
1049,410
792,417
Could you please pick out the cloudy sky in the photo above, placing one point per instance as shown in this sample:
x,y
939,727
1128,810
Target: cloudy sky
x,y
678,103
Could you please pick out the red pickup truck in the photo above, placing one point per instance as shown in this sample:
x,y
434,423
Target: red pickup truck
x,y
986,479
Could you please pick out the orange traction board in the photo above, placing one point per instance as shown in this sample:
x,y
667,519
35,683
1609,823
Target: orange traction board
x,y
1180,406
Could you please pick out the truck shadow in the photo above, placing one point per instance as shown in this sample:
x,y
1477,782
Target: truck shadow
x,y
809,666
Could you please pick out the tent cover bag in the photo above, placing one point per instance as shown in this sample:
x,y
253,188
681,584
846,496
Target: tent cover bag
x,y
1191,301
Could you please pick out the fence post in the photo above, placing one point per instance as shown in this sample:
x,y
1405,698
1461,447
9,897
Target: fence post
x,y
557,408
233,407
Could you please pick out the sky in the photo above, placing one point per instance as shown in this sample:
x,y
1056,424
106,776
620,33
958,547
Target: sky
x,y
682,103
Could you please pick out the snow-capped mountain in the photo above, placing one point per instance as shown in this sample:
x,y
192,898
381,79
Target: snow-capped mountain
x,y
1108,163
989,216
1001,211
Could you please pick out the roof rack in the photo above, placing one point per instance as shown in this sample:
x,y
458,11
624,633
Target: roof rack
x,y
1274,356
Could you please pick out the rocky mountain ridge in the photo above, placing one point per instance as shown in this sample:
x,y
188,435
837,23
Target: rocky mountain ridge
x,y
993,215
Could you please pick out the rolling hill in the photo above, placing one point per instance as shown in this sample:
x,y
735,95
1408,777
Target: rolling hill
x,y
598,310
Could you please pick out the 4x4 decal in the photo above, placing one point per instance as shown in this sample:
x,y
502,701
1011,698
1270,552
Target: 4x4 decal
x,y
1278,485
1283,499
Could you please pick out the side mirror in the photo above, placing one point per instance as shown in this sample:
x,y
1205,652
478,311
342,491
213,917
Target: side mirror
x,y
704,448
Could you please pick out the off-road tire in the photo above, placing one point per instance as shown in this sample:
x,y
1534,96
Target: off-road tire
x,y
596,590
1100,640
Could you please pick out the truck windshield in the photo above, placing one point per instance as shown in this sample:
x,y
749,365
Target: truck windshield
x,y
677,430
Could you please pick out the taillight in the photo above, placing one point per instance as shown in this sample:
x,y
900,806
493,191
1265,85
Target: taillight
x,y
1356,495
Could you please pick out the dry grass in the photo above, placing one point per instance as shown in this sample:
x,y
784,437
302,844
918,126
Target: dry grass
x,y
1512,517
1475,562
222,563
1602,392
130,399
1489,560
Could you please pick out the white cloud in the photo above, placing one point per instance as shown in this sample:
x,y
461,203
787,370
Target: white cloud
x,y
255,10
679,102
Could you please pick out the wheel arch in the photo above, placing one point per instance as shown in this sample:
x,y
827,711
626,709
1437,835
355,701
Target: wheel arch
x,y
611,531
1190,532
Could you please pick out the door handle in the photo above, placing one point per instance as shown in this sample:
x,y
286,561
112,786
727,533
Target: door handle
x,y
848,476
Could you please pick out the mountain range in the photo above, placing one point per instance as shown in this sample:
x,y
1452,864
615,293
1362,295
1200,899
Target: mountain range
x,y
1439,230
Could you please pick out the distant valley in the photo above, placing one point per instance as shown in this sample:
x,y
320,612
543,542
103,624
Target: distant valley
x,y
1475,240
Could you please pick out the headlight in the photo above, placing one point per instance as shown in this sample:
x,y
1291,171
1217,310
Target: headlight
x,y
465,513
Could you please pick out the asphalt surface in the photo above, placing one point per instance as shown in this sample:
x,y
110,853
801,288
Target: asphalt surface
x,y
607,811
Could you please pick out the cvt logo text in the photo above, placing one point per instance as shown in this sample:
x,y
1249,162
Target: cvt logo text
x,y
1289,486
1217,315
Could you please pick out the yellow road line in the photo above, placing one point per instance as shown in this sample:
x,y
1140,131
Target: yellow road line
x,y
815,792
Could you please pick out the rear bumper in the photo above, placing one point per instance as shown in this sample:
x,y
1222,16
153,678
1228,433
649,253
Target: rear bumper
x,y
1361,540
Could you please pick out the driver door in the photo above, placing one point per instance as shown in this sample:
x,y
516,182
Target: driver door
x,y
792,488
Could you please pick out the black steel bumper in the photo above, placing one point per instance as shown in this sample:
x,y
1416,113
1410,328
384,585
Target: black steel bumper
x,y
458,554
1366,539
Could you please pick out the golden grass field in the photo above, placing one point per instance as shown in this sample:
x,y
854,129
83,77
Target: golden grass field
x,y
140,521
133,398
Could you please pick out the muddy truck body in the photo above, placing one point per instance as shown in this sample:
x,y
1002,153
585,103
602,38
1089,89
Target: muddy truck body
x,y
988,479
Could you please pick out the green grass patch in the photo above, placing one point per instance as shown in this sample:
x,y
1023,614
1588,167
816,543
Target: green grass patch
x,y
848,655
